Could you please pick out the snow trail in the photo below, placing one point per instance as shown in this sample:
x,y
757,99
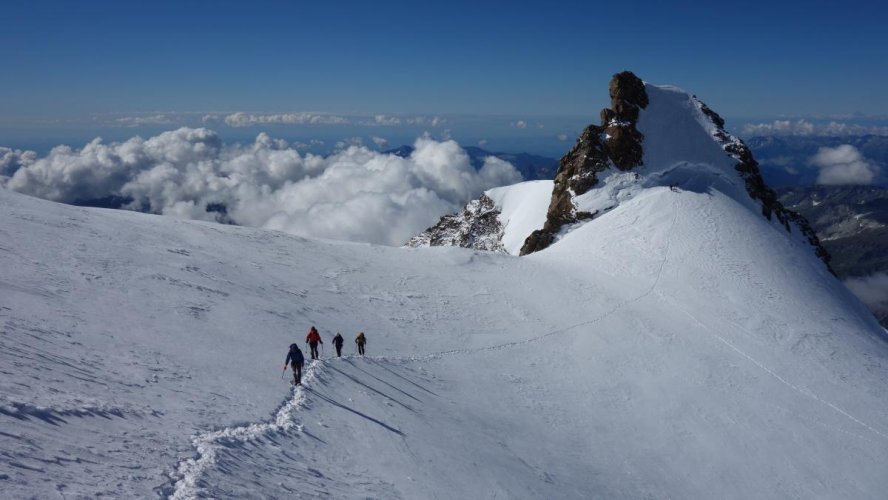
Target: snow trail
x,y
805,392
207,444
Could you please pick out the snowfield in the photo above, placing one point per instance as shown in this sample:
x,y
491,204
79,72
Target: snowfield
x,y
679,345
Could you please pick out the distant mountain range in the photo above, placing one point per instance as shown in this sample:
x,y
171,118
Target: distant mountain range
x,y
852,222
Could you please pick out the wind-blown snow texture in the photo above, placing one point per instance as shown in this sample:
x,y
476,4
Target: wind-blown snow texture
x,y
678,345
703,354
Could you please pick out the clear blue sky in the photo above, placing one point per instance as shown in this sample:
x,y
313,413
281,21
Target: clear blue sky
x,y
76,59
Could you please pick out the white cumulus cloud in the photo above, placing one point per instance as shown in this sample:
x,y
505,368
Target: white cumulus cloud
x,y
379,141
241,119
843,165
13,159
355,194
432,121
138,121
873,291
386,121
802,127
519,124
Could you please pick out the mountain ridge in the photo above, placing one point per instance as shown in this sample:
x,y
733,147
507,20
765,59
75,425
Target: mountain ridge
x,y
608,151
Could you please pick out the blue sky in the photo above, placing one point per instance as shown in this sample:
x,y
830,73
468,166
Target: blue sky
x,y
80,67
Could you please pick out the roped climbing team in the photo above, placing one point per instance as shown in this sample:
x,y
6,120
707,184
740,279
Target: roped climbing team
x,y
295,358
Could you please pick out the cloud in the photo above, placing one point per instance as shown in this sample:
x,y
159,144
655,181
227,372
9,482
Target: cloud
x,y
561,137
804,127
433,121
482,143
843,165
348,142
354,194
138,121
379,141
873,291
241,119
519,124
386,121
11,160
313,143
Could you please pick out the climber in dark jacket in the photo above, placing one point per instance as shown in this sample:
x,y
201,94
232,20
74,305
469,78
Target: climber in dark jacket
x,y
337,342
295,359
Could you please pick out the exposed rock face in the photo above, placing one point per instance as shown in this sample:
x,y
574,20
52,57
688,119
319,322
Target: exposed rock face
x,y
477,226
615,142
756,187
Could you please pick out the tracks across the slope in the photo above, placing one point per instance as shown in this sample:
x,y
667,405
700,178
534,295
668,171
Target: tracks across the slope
x,y
803,391
557,331
207,444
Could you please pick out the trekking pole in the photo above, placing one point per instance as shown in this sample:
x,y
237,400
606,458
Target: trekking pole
x,y
282,372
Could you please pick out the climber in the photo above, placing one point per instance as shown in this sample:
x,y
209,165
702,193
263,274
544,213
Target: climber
x,y
337,342
295,359
361,340
312,340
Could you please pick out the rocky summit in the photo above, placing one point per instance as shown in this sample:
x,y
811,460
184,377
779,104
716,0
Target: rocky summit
x,y
615,142
613,160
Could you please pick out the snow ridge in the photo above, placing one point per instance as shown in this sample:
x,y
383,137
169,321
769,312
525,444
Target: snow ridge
x,y
564,329
208,444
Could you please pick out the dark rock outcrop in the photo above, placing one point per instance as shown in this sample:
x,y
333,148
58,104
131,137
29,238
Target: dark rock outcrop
x,y
748,169
477,226
615,142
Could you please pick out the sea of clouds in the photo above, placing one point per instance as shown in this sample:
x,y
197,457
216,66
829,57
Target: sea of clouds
x,y
355,194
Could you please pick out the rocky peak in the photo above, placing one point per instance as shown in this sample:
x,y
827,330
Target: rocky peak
x,y
615,142
618,143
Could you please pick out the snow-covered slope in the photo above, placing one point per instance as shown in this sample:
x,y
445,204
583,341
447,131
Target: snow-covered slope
x,y
498,221
522,210
655,136
676,346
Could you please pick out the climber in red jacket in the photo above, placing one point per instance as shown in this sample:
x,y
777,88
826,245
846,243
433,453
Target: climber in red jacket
x,y
312,339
